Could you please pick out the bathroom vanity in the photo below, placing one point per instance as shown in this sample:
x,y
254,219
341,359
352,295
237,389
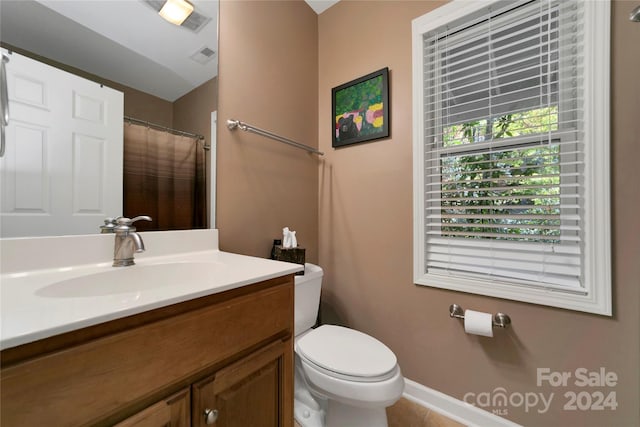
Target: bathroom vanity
x,y
200,354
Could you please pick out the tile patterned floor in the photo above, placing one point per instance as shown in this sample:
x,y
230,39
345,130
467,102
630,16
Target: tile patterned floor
x,y
408,414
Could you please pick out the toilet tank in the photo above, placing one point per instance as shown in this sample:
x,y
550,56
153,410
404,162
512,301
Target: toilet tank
x,y
307,297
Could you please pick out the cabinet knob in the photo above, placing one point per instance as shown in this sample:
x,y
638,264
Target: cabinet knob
x,y
210,416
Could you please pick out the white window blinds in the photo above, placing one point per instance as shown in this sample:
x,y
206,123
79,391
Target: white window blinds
x,y
503,153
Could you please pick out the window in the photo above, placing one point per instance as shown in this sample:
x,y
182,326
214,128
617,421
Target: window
x,y
511,151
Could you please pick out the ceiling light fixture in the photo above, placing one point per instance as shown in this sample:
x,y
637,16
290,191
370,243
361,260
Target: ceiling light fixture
x,y
176,11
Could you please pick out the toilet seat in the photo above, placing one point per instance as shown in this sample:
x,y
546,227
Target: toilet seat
x,y
347,354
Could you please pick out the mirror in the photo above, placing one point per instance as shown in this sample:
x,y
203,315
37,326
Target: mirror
x,y
168,73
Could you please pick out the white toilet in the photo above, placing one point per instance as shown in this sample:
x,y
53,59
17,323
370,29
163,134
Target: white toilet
x,y
343,377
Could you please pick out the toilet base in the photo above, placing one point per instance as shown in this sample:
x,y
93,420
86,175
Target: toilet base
x,y
307,410
307,416
316,411
340,415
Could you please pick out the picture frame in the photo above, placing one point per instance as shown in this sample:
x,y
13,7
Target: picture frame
x,y
360,109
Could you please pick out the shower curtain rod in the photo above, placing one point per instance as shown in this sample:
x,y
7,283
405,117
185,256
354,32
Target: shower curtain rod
x,y
233,124
170,130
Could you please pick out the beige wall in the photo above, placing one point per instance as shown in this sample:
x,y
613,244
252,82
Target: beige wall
x,y
142,106
192,111
267,77
365,238
271,77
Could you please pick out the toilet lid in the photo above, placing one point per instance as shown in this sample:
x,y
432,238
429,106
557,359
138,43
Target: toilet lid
x,y
346,352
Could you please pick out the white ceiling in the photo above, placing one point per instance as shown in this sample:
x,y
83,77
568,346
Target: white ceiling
x,y
121,40
125,41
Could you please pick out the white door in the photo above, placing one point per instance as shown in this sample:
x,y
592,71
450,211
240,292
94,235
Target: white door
x,y
62,168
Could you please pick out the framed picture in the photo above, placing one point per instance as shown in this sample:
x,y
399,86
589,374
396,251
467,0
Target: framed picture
x,y
361,109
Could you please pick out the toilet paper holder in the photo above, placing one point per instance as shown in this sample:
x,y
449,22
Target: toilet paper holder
x,y
500,320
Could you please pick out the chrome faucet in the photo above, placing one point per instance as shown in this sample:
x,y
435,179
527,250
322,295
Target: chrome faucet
x,y
109,226
127,241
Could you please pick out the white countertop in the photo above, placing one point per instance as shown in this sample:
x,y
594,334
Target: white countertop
x,y
40,303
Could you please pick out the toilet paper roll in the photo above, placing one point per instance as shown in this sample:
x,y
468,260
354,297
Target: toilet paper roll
x,y
478,323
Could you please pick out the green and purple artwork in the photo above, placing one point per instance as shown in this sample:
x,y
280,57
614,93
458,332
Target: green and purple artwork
x,y
361,109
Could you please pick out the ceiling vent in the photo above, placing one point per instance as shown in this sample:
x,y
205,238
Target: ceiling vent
x,y
195,22
203,55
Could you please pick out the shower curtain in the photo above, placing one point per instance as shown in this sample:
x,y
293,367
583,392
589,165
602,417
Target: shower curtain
x,y
164,177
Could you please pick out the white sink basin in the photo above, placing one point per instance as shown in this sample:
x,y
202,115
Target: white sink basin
x,y
133,279
54,285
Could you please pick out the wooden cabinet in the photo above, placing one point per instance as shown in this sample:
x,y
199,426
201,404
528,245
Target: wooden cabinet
x,y
174,411
246,393
231,352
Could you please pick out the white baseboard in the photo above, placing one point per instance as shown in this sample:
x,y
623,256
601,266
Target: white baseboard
x,y
453,408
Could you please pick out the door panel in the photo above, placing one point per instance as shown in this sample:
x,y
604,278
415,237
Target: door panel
x,y
171,412
62,169
246,393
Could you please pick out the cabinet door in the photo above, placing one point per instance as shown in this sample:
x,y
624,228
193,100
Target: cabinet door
x,y
171,412
249,392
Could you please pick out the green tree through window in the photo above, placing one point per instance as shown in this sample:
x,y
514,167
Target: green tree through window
x,y
512,193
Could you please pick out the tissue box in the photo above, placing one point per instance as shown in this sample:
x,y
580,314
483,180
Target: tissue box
x,y
294,255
